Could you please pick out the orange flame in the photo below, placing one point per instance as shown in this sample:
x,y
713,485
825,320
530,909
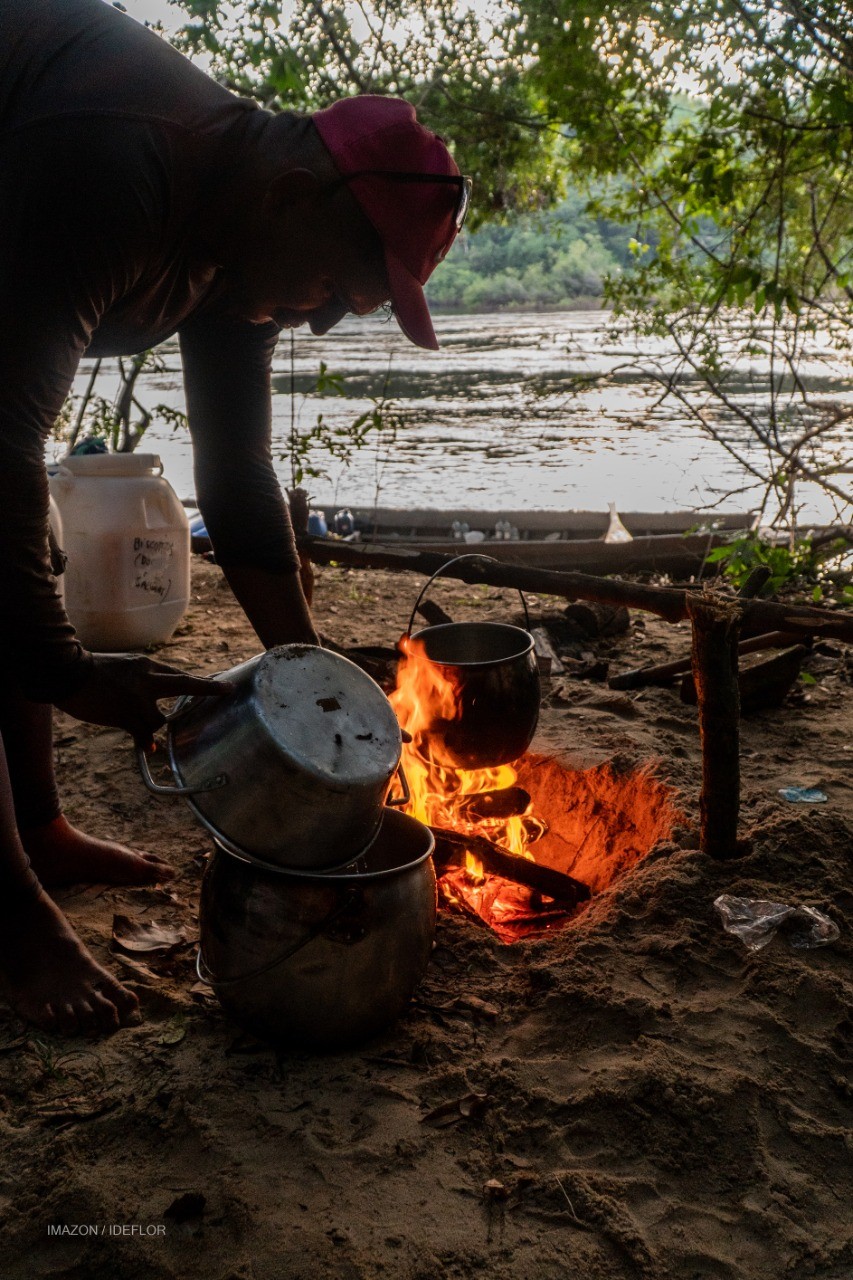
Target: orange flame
x,y
424,699
600,821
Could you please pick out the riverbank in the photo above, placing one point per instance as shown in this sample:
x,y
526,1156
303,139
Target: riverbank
x,y
634,1096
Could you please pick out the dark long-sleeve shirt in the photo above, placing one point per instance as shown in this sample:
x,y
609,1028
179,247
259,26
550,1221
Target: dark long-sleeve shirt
x,y
114,149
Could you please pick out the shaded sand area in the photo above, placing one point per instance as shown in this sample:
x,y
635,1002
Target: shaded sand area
x,y
636,1095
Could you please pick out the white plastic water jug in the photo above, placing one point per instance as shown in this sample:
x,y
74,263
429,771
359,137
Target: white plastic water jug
x,y
127,538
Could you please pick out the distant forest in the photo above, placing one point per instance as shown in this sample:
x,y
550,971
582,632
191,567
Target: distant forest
x,y
557,258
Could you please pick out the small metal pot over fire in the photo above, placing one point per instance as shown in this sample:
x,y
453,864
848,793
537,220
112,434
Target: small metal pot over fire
x,y
495,677
295,766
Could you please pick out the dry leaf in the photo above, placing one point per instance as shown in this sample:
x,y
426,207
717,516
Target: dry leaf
x,y
135,936
136,966
173,1034
473,1105
201,992
469,1107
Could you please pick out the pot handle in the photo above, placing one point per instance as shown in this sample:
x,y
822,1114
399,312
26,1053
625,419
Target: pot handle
x,y
469,555
406,796
206,974
211,784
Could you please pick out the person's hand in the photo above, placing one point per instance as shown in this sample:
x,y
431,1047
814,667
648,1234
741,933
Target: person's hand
x,y
122,690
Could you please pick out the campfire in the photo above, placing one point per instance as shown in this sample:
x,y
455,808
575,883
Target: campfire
x,y
520,848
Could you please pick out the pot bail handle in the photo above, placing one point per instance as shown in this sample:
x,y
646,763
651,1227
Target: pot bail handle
x,y
348,899
404,787
469,555
158,789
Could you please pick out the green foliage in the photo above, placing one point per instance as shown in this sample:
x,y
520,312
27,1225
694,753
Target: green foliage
x,y
467,80
541,260
121,420
722,133
310,448
787,565
803,564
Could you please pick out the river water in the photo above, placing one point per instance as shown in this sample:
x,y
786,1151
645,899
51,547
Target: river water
x,y
495,420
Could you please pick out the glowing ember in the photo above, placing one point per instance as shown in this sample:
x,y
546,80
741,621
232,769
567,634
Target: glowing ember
x,y
599,822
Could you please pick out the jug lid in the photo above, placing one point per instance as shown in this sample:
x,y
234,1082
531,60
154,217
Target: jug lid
x,y
328,715
113,464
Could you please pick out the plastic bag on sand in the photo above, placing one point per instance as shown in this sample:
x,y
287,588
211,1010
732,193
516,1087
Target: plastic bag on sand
x,y
755,921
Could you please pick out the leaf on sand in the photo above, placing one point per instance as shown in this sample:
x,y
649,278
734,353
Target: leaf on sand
x,y
173,1033
201,992
136,936
469,1107
136,966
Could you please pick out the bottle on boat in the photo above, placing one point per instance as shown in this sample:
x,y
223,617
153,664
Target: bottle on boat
x,y
616,531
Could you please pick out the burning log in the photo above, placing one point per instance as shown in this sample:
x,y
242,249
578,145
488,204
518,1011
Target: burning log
x,y
715,660
509,802
669,603
449,845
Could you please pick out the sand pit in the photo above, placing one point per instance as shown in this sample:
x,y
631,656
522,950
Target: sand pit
x,y
635,1096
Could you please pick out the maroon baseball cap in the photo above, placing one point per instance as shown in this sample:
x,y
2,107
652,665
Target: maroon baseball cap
x,y
408,185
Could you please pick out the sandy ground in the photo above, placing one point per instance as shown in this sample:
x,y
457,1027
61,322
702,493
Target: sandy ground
x,y
645,1097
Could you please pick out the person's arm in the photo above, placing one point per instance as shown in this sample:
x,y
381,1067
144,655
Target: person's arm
x,y
227,379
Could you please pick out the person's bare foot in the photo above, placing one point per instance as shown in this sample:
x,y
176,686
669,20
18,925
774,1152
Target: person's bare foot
x,y
52,980
60,854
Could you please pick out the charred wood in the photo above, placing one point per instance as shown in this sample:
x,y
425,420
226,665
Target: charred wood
x,y
510,802
547,658
763,685
593,620
433,614
664,673
451,845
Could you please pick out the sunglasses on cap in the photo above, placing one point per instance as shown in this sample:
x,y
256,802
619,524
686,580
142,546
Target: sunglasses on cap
x,y
465,185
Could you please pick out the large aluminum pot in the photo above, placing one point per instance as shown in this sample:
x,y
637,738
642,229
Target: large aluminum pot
x,y
295,766
495,676
321,961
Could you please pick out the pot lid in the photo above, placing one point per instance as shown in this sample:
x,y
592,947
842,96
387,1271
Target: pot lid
x,y
327,715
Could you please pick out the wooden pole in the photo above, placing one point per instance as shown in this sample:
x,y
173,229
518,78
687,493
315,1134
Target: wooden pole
x,y
669,603
716,621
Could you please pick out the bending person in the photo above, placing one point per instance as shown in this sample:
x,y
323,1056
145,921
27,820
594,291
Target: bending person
x,y
138,200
